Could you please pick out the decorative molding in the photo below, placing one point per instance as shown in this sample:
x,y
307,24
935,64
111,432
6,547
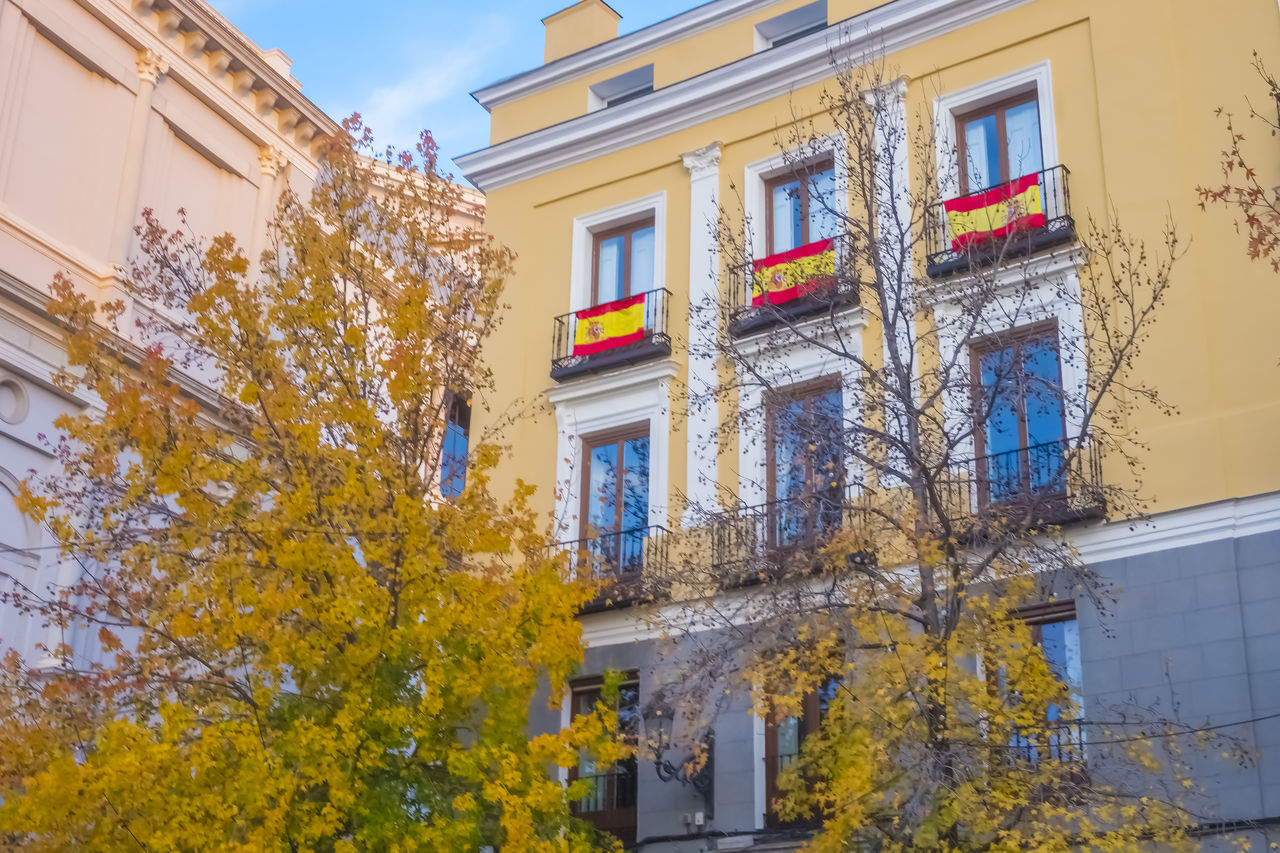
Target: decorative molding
x,y
150,66
1229,519
620,49
722,91
702,422
703,162
640,394
271,161
1105,541
582,245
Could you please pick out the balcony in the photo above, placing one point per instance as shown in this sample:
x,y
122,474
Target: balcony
x,y
786,288
766,541
618,560
1011,220
615,334
1051,483
1060,741
611,803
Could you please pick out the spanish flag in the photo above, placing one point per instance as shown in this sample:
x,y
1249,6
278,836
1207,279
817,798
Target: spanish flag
x,y
613,324
782,277
998,212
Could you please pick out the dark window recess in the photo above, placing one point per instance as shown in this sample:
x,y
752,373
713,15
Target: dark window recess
x,y
1056,633
1021,428
611,803
629,96
805,463
999,143
784,738
457,439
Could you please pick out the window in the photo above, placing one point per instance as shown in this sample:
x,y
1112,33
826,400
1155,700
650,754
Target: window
x,y
999,143
800,208
805,462
611,803
784,738
618,90
790,26
615,498
1056,633
623,261
457,437
1021,426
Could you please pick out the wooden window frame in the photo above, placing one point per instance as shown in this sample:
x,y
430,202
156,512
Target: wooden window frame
x,y
618,436
619,821
774,400
1016,338
628,230
997,109
810,722
802,175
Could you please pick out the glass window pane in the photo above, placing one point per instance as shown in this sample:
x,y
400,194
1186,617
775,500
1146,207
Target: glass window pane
x,y
641,261
982,156
1061,647
788,739
823,222
1002,466
1042,381
787,217
602,485
609,270
635,503
1022,129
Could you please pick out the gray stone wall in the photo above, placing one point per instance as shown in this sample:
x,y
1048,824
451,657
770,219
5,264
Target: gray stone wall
x,y
1194,632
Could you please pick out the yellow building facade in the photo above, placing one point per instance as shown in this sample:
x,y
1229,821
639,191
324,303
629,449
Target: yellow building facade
x,y
609,168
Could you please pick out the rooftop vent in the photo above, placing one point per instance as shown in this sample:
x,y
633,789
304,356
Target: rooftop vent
x,y
620,89
792,25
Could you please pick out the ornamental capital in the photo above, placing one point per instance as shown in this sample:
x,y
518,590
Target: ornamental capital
x,y
150,65
703,160
271,161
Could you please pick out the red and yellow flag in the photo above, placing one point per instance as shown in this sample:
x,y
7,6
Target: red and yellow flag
x,y
782,277
613,324
998,212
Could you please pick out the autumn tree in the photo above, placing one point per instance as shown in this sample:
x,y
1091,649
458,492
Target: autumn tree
x,y
919,414
282,637
1256,207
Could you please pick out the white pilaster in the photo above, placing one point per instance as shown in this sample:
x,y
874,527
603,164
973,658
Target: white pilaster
x,y
150,66
703,424
272,162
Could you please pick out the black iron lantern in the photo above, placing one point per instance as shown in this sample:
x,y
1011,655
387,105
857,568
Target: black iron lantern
x,y
697,768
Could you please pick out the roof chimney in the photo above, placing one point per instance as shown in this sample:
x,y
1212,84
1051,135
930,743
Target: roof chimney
x,y
584,24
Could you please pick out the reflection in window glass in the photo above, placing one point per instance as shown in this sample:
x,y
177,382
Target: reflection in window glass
x,y
617,498
610,270
453,456
788,217
982,153
823,223
641,261
1022,131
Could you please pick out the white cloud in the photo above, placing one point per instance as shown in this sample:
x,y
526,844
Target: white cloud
x,y
398,113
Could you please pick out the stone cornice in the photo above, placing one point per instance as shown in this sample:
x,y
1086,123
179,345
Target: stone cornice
x,y
199,49
722,91
616,50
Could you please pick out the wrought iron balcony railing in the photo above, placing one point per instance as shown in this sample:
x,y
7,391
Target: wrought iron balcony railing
x,y
611,802
1059,740
615,334
759,542
618,560
1053,482
1009,220
788,287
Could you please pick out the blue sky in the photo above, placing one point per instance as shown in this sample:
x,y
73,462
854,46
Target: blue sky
x,y
409,64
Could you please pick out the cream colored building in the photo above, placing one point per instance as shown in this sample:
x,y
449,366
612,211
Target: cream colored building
x,y
108,107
